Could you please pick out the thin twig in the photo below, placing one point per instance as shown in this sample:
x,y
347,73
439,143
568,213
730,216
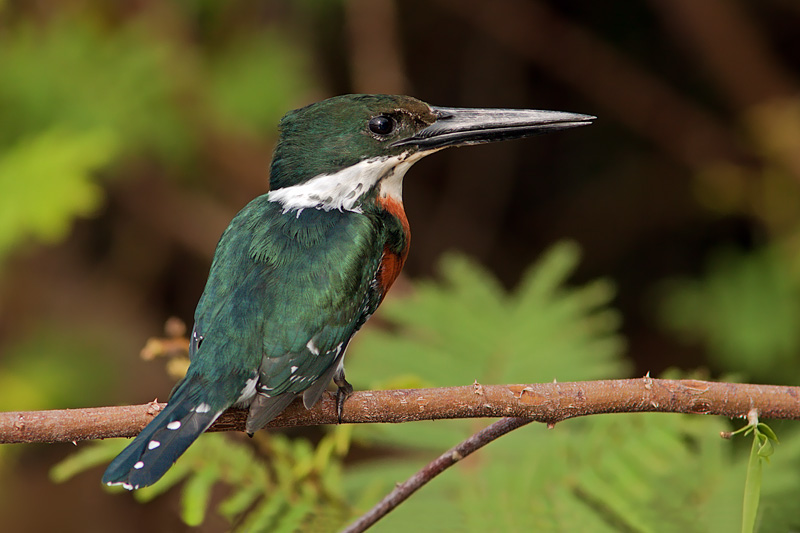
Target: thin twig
x,y
541,402
403,490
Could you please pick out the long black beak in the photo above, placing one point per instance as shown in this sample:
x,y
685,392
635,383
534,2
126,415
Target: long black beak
x,y
460,126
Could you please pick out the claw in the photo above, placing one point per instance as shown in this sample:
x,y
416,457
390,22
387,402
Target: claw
x,y
344,392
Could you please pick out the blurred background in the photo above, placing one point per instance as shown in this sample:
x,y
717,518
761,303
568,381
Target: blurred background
x,y
132,132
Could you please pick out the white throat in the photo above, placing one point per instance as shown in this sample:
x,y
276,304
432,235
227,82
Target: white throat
x,y
342,190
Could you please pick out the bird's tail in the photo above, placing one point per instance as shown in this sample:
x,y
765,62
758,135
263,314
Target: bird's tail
x,y
165,438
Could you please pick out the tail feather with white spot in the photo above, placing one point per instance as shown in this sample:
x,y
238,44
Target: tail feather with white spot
x,y
164,439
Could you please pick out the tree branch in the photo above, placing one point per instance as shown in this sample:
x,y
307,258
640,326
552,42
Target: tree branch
x,y
542,402
403,490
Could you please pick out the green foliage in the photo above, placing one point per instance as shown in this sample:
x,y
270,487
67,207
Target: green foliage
x,y
60,130
467,328
95,454
119,81
760,452
638,473
289,493
643,473
55,367
47,181
252,80
468,318
745,310
77,97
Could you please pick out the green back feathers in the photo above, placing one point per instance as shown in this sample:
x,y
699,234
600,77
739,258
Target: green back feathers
x,y
277,276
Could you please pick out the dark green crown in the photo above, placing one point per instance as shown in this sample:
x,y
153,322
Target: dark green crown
x,y
327,136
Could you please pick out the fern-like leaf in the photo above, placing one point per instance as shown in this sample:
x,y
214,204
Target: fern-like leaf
x,y
467,328
281,492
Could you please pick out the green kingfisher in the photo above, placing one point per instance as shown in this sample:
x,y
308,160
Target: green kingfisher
x,y
300,269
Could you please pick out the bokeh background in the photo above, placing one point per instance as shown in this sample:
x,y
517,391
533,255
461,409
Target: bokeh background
x,y
132,132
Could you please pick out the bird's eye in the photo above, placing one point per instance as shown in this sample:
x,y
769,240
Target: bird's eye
x,y
381,125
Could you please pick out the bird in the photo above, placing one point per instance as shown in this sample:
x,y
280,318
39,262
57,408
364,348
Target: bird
x,y
300,269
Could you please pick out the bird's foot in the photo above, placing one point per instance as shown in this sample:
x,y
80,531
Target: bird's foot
x,y
344,392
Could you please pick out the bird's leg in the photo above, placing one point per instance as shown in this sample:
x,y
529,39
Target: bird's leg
x,y
344,391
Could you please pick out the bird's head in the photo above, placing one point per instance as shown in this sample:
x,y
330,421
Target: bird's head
x,y
333,152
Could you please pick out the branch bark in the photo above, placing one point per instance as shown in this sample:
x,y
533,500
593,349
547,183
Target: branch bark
x,y
403,490
542,402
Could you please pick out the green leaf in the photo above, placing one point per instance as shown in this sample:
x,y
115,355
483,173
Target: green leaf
x,y
297,513
745,310
196,494
642,472
177,473
263,517
87,457
638,472
767,431
467,328
257,501
752,488
765,449
47,181
121,80
238,503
